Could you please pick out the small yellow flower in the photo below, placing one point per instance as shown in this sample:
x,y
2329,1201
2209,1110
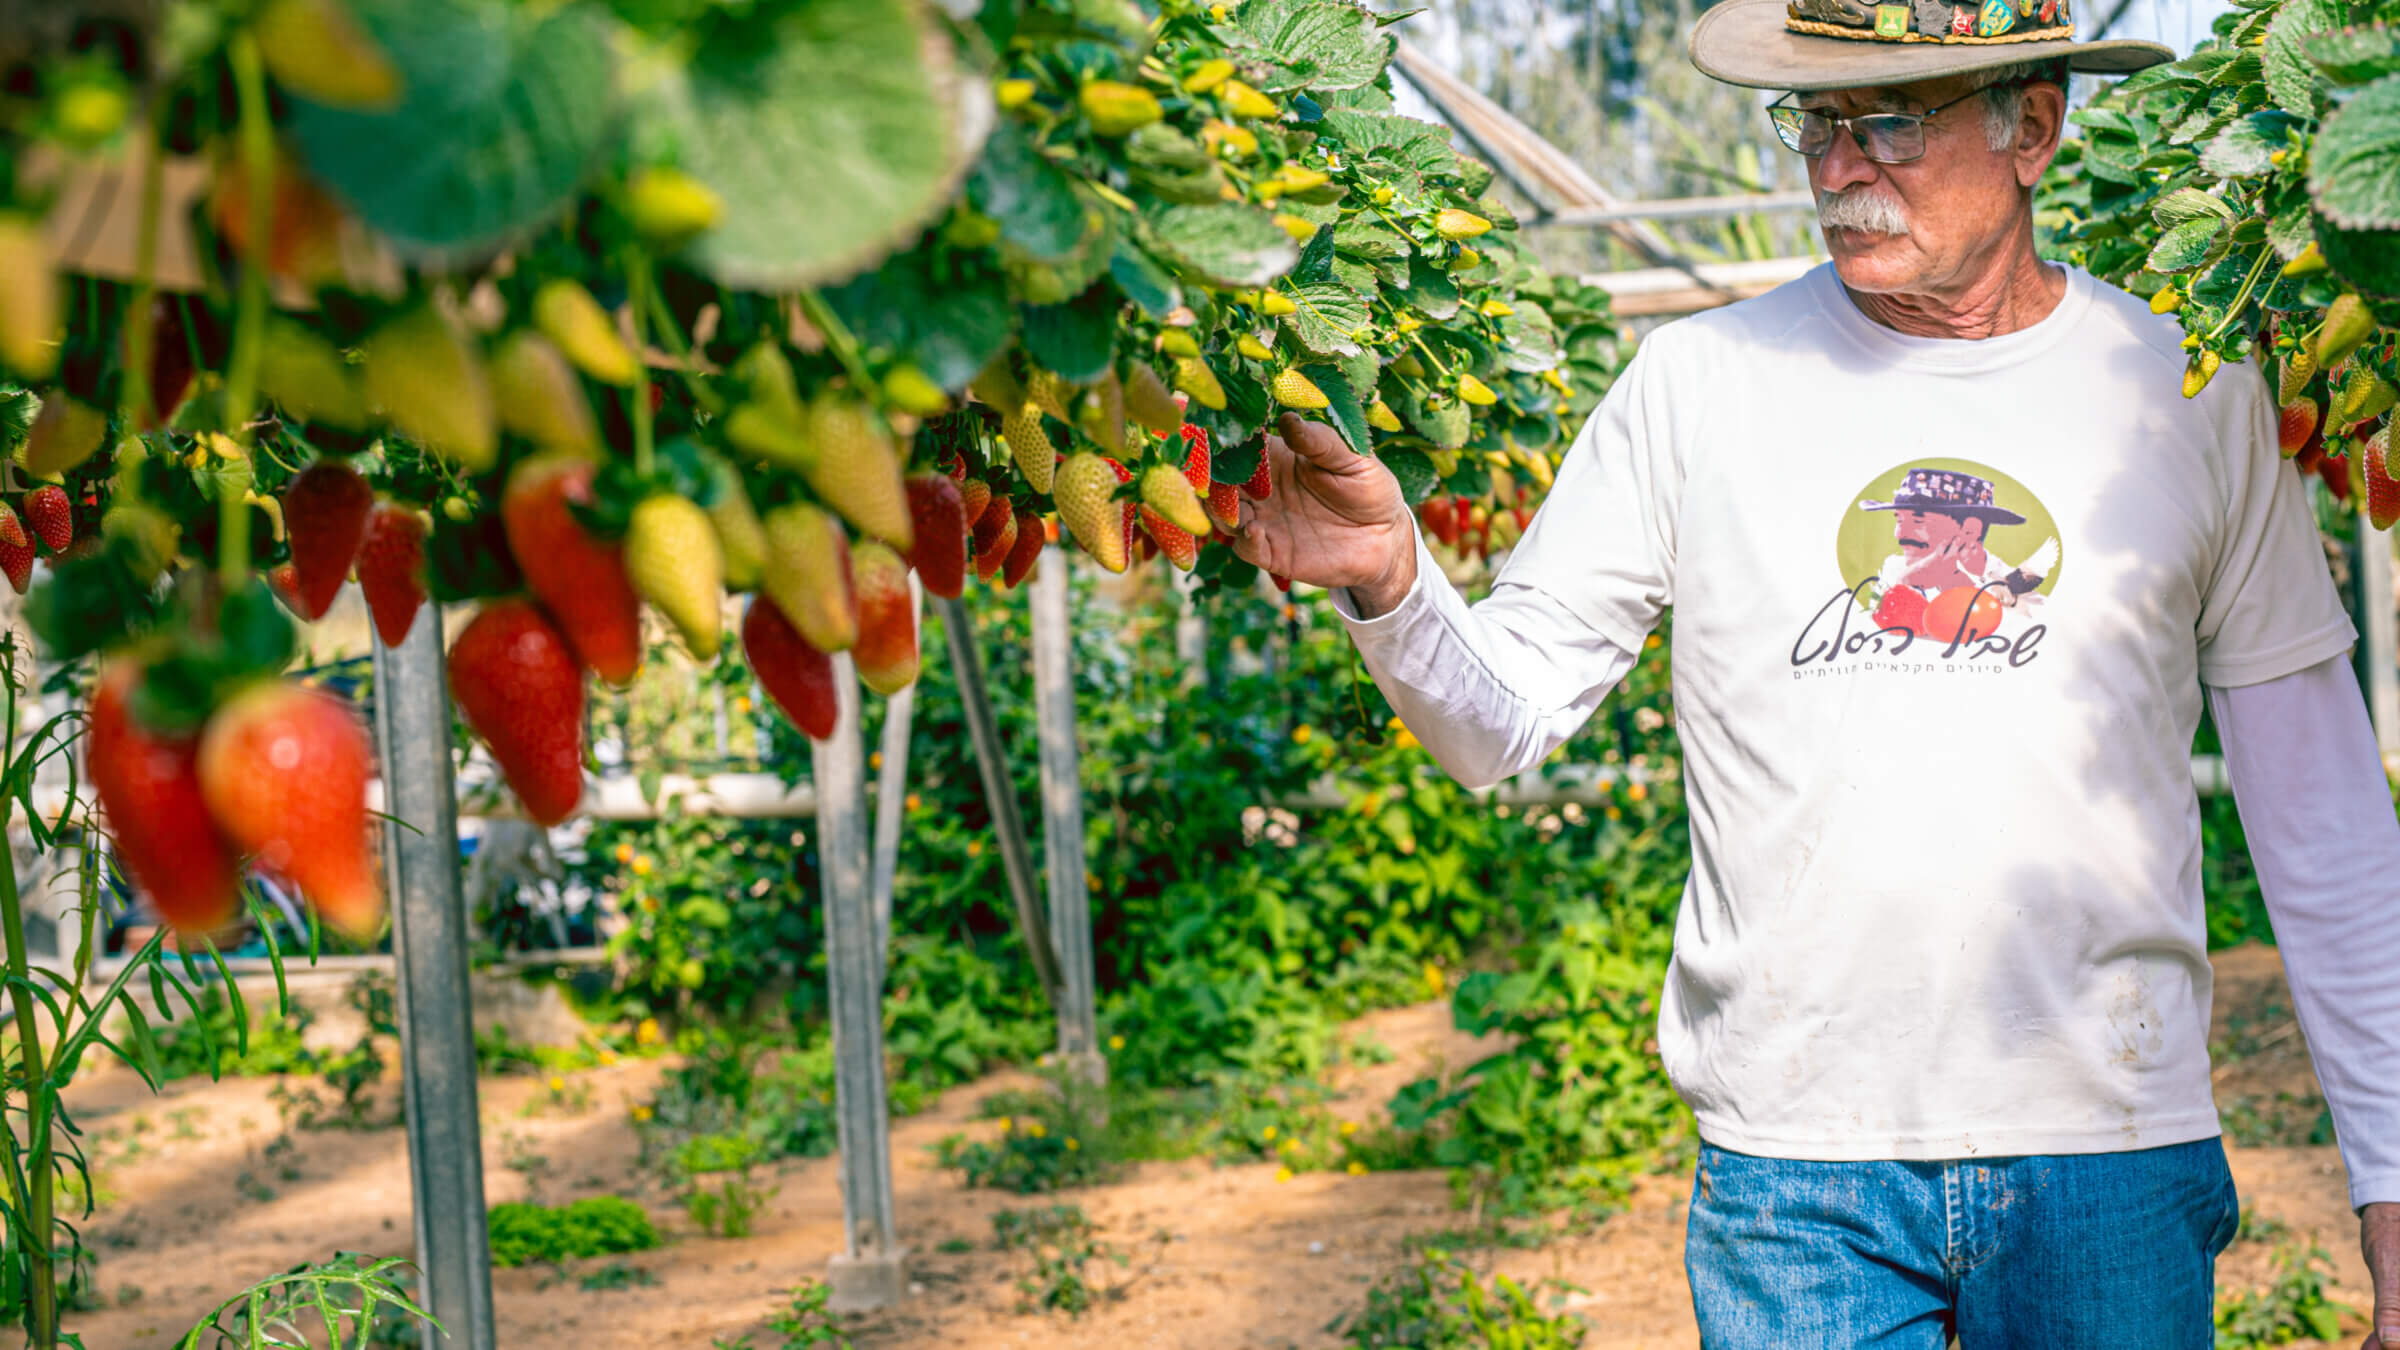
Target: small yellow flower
x,y
912,801
741,705
1652,642
608,1057
624,853
641,1113
1006,1124
1356,1168
647,1032
1301,733
974,848
1289,1145
875,761
1267,1134
1116,1042
641,865
1349,1127
1035,1128
1073,1145
1614,814
557,1084
1283,1174
1637,792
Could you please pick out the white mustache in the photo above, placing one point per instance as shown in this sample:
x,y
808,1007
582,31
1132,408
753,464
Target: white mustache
x,y
1862,209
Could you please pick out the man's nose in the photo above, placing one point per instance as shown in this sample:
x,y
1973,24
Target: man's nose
x,y
1843,165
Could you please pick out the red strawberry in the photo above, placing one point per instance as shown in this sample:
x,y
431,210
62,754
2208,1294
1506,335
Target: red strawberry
x,y
16,551
1225,506
1027,554
515,679
325,517
1282,582
1261,485
284,771
1901,607
2335,470
797,676
886,651
149,785
998,519
1134,538
1173,540
2296,424
391,570
579,579
1196,459
51,515
975,495
283,581
939,513
1434,512
955,466
989,558
2383,493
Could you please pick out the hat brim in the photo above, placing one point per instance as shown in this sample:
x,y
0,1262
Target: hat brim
x,y
1990,515
1744,42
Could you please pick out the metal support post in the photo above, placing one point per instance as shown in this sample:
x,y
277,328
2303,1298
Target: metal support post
x,y
1062,817
437,1028
891,790
868,1272
999,791
2379,634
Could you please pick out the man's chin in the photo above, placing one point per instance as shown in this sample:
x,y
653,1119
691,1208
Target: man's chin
x,y
1872,262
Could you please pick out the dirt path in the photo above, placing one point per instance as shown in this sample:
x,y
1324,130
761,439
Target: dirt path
x,y
195,1205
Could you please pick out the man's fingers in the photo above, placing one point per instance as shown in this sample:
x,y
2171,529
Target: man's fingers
x,y
1315,442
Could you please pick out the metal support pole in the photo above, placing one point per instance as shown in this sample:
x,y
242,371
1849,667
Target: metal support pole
x,y
868,1272
891,791
429,941
1016,860
2379,635
1062,817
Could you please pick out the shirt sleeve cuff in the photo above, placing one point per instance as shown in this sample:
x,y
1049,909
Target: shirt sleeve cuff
x,y
2370,1188
1418,599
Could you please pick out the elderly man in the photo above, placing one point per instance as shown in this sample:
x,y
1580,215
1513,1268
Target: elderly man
x,y
1950,1080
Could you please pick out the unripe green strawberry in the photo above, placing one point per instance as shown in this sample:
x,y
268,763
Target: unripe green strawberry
x,y
1178,342
808,575
1381,417
1085,492
761,429
668,208
672,557
1295,390
2348,321
1117,109
569,316
65,433
765,376
1149,401
29,299
2366,395
856,470
2166,300
538,397
1252,348
1241,100
1036,456
1025,554
886,654
1476,392
2197,375
1454,224
423,374
907,387
306,377
1166,491
2298,368
997,385
1101,414
1049,393
1193,377
316,49
1208,75
147,534
796,675
740,537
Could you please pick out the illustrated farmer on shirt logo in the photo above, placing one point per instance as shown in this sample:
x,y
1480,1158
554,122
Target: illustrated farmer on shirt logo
x,y
1944,576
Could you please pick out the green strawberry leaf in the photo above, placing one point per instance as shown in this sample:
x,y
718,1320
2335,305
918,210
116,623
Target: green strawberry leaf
x,y
2292,81
2186,245
1227,245
1032,198
1075,339
1414,472
2368,259
2355,55
87,603
2354,168
2240,150
1317,44
1343,409
947,312
1325,315
2188,204
1143,280
503,112
829,132
1235,461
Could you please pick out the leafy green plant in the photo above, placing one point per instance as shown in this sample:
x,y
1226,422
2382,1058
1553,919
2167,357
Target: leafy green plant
x,y
1062,1245
1057,1138
1443,1304
596,1225
2292,1307
352,1300
727,1206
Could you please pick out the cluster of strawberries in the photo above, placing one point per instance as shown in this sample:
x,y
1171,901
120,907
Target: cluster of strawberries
x,y
1476,529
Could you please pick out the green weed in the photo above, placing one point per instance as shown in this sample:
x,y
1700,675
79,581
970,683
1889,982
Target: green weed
x,y
598,1225
1442,1304
2292,1307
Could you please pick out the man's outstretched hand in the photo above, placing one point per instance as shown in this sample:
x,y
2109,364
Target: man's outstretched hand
x,y
1333,518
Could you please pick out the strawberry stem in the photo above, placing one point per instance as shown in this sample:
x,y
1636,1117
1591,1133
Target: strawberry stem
x,y
638,281
141,326
837,337
241,372
36,1187
2241,300
671,333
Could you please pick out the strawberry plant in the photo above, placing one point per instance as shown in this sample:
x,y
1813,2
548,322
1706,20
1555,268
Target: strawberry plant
x,y
2253,190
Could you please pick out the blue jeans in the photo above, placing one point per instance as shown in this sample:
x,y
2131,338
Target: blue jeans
x,y
2050,1252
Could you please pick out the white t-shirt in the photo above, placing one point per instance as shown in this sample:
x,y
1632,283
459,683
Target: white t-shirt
x,y
1945,896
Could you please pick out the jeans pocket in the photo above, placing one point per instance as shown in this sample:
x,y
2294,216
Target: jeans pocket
x,y
2229,1218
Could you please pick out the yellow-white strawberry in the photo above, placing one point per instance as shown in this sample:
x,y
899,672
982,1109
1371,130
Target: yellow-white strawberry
x,y
668,207
1193,377
1381,417
1150,402
672,557
1049,393
2298,367
538,397
306,376
856,469
1084,492
886,652
1036,456
1101,414
1115,108
569,316
29,299
807,575
997,384
740,537
1452,223
423,374
1295,390
1166,491
64,434
1475,391
316,49
769,432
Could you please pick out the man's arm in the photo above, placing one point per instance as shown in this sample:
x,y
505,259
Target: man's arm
x,y
1490,689
2318,812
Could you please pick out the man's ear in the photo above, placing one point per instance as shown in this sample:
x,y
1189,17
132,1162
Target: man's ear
x,y
2039,127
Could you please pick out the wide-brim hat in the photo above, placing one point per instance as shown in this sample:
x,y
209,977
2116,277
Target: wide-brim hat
x,y
1805,45
1991,515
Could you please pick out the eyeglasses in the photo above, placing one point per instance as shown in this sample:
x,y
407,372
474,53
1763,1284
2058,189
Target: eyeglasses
x,y
1884,137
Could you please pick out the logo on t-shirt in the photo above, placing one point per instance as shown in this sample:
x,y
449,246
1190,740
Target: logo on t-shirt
x,y
1942,561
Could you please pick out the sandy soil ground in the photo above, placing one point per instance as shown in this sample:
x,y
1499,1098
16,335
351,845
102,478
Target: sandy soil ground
x,y
209,1200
